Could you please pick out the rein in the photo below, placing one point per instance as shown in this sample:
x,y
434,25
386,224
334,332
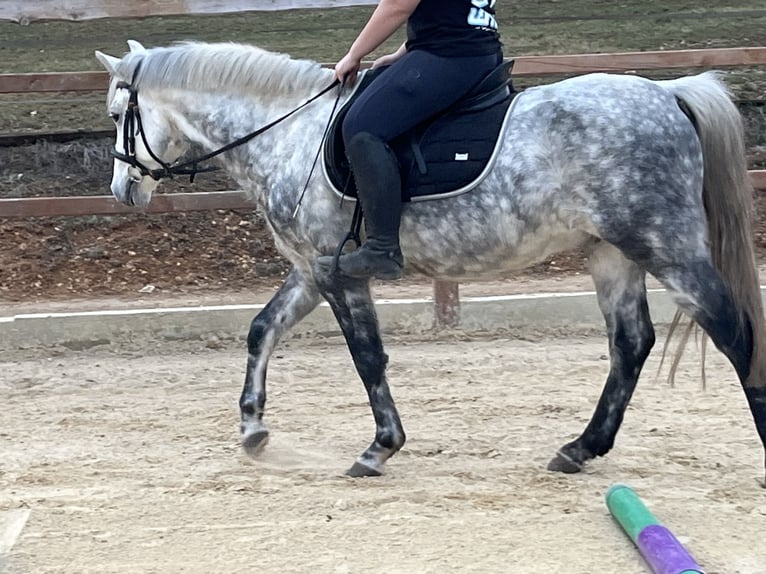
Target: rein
x,y
133,124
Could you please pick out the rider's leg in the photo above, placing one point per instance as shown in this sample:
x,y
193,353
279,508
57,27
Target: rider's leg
x,y
379,185
416,87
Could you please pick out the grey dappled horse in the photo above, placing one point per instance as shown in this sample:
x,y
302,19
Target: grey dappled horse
x,y
645,176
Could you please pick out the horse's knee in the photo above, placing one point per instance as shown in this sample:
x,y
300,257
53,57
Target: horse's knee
x,y
255,336
371,363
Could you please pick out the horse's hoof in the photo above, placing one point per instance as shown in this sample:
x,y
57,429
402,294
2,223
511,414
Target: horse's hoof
x,y
562,463
255,442
359,469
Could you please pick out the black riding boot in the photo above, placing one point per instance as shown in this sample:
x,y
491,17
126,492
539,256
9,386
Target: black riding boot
x,y
376,172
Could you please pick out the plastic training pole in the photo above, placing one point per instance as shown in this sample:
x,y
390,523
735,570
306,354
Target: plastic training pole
x,y
659,547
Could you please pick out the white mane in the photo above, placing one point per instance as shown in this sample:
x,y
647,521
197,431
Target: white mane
x,y
222,67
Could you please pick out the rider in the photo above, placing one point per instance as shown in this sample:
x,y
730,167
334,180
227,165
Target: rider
x,y
451,45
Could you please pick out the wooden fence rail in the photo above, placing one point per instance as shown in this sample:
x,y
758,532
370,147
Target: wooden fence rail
x,y
161,203
107,205
524,66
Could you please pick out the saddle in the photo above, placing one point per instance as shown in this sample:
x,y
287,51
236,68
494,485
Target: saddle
x,y
447,154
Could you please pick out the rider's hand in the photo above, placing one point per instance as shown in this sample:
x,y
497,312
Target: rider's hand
x,y
348,68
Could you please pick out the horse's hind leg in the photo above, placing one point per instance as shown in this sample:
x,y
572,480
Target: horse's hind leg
x,y
353,307
701,292
295,299
621,293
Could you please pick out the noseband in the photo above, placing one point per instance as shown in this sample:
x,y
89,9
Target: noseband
x,y
132,126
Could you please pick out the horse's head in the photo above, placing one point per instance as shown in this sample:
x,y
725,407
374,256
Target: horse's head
x,y
147,141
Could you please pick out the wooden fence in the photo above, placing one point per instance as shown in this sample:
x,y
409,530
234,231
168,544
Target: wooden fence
x,y
535,66
446,294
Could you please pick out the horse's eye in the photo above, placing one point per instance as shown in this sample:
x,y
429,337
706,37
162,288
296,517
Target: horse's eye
x,y
115,117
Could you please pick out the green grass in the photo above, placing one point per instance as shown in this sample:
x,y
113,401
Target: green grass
x,y
526,27
540,27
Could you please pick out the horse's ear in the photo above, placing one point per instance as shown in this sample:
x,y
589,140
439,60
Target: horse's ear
x,y
136,46
109,62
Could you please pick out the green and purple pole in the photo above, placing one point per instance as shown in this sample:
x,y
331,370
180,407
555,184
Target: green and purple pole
x,y
659,547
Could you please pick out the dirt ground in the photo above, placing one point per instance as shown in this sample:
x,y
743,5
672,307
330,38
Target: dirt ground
x,y
129,462
128,459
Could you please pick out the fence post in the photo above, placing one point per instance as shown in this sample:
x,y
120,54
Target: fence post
x,y
446,303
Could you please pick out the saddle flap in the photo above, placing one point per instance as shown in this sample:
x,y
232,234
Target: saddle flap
x,y
474,121
337,168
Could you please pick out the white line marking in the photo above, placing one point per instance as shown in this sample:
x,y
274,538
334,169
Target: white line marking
x,y
12,522
258,307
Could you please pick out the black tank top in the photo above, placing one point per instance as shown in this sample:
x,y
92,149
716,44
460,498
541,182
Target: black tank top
x,y
454,28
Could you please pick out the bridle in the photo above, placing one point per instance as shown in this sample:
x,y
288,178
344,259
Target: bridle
x,y
133,125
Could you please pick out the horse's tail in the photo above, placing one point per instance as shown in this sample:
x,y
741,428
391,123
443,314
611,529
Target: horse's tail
x,y
728,200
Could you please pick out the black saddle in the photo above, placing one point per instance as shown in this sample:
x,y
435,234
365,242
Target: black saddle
x,y
445,154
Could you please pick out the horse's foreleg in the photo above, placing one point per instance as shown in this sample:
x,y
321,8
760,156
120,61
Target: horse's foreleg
x,y
621,293
295,299
352,305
